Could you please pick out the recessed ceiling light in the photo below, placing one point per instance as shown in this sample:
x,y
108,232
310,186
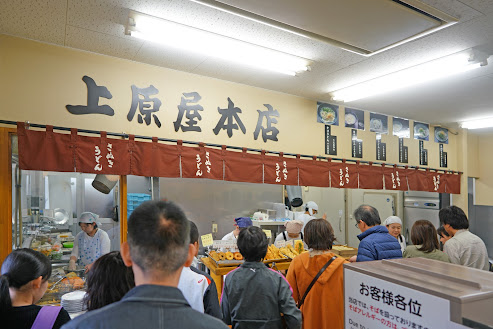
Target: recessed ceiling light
x,y
195,40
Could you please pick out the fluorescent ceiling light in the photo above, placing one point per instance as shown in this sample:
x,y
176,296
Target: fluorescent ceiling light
x,y
199,41
478,124
429,71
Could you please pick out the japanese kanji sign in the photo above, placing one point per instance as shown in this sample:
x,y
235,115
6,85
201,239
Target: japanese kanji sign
x,y
201,162
376,303
280,170
145,108
343,175
395,178
102,155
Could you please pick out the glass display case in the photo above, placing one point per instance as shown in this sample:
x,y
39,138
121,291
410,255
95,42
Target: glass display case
x,y
45,211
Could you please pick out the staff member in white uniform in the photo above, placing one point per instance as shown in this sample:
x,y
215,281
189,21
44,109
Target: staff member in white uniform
x,y
90,244
311,209
240,222
394,225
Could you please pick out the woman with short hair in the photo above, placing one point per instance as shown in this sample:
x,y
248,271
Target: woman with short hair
x,y
323,305
425,242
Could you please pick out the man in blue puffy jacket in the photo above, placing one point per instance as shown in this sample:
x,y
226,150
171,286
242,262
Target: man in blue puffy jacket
x,y
376,242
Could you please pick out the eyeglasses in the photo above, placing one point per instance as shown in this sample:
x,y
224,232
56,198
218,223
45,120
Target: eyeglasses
x,y
357,224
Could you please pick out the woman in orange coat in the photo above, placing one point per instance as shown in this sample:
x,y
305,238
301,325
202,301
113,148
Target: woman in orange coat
x,y
323,307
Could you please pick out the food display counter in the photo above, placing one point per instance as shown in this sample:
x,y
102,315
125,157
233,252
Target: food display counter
x,y
218,272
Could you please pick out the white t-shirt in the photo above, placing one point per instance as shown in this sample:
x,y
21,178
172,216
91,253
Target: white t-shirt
x,y
193,286
89,248
230,236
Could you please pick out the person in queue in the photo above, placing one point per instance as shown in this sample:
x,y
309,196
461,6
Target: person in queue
x,y
425,242
311,209
157,249
108,281
292,232
323,306
254,296
394,225
198,287
444,236
464,248
24,280
90,243
376,242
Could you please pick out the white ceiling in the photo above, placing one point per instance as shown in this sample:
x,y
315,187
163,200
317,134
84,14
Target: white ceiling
x,y
98,26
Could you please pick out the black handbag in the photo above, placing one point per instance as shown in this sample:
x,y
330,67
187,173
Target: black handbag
x,y
315,280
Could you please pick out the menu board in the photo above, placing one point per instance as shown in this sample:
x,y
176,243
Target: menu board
x,y
330,142
400,127
354,119
441,135
356,145
421,131
379,123
423,154
381,149
403,152
328,113
443,157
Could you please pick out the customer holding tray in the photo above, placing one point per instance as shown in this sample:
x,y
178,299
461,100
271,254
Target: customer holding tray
x,y
90,244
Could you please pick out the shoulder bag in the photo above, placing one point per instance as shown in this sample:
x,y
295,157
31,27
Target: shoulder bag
x,y
46,317
315,280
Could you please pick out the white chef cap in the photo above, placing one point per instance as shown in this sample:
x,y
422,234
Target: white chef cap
x,y
311,206
392,220
88,218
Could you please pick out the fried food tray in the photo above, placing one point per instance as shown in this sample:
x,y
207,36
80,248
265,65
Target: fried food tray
x,y
226,263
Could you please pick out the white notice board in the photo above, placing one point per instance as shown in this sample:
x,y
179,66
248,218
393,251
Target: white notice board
x,y
372,303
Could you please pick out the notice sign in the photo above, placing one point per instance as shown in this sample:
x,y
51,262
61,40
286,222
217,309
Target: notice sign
x,y
423,154
381,149
227,244
372,303
356,145
443,157
268,233
403,153
207,240
330,142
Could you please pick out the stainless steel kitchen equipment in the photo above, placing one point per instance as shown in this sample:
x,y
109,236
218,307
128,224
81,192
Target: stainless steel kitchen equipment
x,y
426,292
420,205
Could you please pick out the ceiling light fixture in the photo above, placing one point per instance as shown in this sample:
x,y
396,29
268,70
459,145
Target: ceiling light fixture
x,y
211,44
429,71
478,123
